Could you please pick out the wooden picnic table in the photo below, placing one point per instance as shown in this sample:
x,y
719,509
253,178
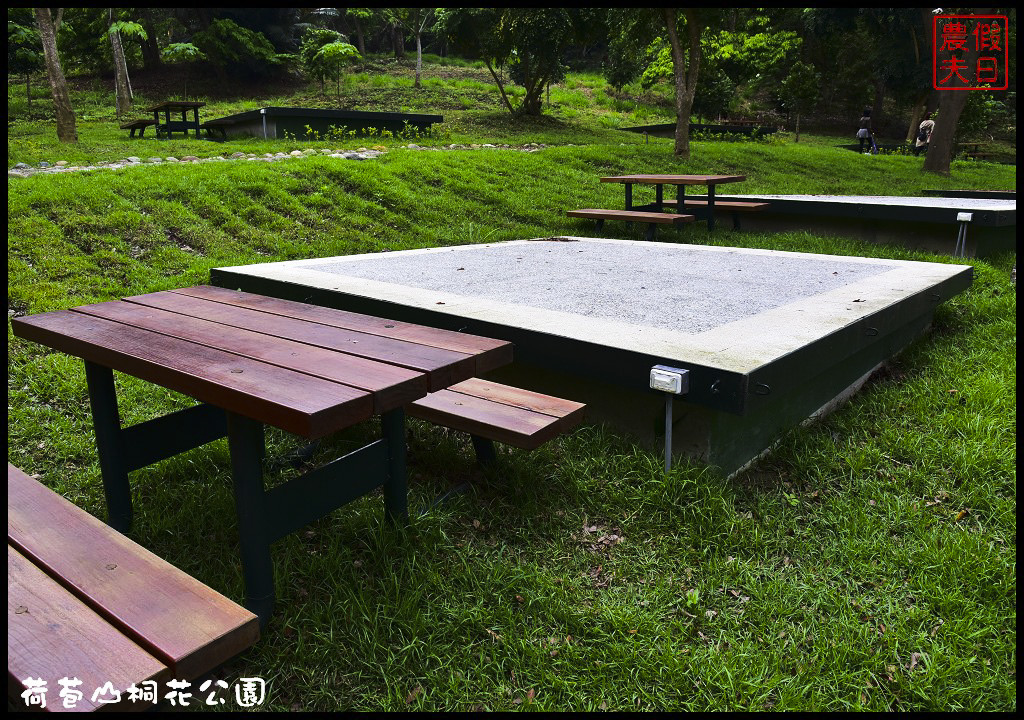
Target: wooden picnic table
x,y
680,181
253,361
168,126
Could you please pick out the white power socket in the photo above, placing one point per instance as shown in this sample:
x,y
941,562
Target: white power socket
x,y
670,379
963,217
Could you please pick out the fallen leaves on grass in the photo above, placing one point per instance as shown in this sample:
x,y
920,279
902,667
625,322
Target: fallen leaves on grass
x,y
598,539
598,578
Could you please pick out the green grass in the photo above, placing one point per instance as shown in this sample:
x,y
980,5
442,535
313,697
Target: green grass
x,y
868,563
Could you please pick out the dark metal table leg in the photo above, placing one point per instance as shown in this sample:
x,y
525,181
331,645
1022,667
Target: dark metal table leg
x,y
395,487
246,442
711,208
106,422
629,196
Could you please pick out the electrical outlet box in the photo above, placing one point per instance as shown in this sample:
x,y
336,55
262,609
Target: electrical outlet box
x,y
670,379
963,217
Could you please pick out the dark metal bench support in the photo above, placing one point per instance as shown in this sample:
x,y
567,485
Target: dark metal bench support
x,y
485,452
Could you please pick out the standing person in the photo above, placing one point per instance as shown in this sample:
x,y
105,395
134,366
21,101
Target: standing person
x,y
924,134
864,133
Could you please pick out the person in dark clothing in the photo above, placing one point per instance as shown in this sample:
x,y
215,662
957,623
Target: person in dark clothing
x,y
864,133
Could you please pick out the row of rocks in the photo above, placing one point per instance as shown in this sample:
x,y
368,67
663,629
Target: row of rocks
x,y
25,170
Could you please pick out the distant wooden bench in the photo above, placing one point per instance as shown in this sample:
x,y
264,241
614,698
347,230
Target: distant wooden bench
x,y
653,219
211,130
84,601
139,125
733,206
490,412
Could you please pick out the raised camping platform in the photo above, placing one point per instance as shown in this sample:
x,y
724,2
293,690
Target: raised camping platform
x,y
668,130
274,122
919,223
769,338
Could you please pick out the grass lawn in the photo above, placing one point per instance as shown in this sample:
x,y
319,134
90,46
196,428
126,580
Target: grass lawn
x,y
868,563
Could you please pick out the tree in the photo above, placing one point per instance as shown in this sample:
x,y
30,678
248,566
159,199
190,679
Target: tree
x,y
529,43
361,19
799,91
686,64
416,21
312,63
47,24
186,53
235,49
23,40
123,94
951,105
334,57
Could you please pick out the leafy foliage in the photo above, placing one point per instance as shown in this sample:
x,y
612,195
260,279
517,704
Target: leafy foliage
x,y
23,44
528,43
311,61
235,49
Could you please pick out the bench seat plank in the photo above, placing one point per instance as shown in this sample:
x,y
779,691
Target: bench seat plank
x,y
135,124
400,384
735,205
568,412
632,215
52,635
301,404
443,367
492,420
489,353
182,622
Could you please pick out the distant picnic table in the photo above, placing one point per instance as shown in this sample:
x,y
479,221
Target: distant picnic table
x,y
169,126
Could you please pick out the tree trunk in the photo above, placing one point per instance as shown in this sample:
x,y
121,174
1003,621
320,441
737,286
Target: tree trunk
x,y
397,42
150,49
66,131
876,116
123,97
501,88
797,127
940,146
685,76
915,116
28,88
419,60
360,40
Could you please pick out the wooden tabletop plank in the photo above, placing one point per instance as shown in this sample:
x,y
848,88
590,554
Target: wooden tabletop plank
x,y
443,367
178,619
301,404
392,386
490,353
537,402
675,179
52,635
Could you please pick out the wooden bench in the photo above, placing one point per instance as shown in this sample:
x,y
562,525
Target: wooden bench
x,y
653,219
139,125
733,206
84,601
490,411
214,129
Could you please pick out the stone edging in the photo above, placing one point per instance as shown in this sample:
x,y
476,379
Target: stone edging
x,y
61,166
